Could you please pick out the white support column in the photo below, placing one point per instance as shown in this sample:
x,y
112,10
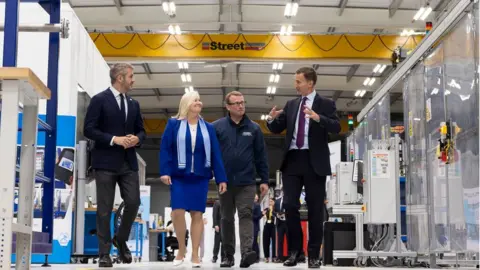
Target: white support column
x,y
8,146
27,182
19,86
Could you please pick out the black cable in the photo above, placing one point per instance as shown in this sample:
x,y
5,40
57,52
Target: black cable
x,y
249,43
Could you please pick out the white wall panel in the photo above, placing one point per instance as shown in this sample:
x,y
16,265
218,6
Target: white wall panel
x,y
79,60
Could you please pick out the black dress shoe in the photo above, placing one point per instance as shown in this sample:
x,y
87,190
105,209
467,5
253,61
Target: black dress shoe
x,y
105,261
248,259
227,262
301,258
292,260
124,253
313,263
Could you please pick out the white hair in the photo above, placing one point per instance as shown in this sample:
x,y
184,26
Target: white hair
x,y
185,102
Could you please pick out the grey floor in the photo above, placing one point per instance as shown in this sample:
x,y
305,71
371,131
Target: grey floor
x,y
187,265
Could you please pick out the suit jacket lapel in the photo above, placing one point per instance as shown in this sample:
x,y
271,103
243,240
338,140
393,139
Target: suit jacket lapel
x,y
112,99
295,112
315,102
293,116
130,108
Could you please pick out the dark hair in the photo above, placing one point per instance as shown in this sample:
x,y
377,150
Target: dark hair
x,y
233,93
309,73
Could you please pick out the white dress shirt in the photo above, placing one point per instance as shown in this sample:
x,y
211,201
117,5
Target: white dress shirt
x,y
308,103
117,94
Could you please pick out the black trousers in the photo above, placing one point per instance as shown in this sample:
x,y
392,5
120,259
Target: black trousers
x,y
239,198
106,182
281,232
269,237
216,245
298,173
255,246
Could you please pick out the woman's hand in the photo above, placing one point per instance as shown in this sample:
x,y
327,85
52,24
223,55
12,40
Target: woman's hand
x,y
166,180
222,188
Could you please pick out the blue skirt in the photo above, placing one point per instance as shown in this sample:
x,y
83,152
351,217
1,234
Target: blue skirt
x,y
189,193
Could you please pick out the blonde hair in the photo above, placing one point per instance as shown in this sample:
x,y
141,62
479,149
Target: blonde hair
x,y
185,102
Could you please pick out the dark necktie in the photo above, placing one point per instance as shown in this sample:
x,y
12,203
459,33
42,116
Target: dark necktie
x,y
122,108
301,125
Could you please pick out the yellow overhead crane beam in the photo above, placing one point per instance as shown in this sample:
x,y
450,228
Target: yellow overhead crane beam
x,y
136,46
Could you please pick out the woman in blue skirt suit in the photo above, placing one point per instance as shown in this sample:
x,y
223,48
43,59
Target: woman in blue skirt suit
x,y
189,156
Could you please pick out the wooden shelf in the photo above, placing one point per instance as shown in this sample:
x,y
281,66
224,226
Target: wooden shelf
x,y
28,77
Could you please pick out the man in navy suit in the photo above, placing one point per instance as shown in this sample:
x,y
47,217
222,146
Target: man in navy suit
x,y
308,120
115,123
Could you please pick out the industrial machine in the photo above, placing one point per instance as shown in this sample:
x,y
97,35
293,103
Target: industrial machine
x,y
380,205
346,186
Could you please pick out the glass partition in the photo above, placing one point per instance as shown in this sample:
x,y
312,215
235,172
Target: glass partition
x,y
441,116
461,103
415,159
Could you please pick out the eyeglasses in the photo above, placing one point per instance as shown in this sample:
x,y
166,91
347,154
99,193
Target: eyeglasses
x,y
237,103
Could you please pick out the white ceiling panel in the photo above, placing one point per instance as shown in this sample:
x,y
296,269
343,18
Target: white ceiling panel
x,y
77,3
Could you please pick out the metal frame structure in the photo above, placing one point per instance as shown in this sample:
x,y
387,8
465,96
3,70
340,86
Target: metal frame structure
x,y
11,29
357,211
437,32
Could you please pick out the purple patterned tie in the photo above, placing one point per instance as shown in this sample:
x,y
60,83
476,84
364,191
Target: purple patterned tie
x,y
301,125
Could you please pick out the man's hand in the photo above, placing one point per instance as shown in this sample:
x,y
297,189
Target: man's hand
x,y
166,180
122,141
132,140
263,189
274,113
217,229
222,188
309,113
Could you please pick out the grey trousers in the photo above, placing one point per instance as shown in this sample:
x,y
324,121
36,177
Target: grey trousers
x,y
237,198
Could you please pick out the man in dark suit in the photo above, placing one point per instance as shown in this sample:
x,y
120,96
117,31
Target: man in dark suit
x,y
308,120
217,220
115,123
281,226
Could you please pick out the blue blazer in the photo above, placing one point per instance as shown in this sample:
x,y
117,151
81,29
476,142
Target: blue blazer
x,y
169,159
102,123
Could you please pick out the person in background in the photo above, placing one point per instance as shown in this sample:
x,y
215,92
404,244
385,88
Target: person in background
x,y
217,219
189,153
307,120
257,216
281,225
114,122
244,153
269,231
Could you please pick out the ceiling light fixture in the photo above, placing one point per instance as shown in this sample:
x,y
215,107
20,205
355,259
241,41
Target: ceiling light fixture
x,y
407,33
174,30
422,13
274,78
169,8
379,68
291,10
360,93
186,77
271,90
183,65
189,89
286,30
277,66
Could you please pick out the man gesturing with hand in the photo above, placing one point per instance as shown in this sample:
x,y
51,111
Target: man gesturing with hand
x,y
308,120
114,122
